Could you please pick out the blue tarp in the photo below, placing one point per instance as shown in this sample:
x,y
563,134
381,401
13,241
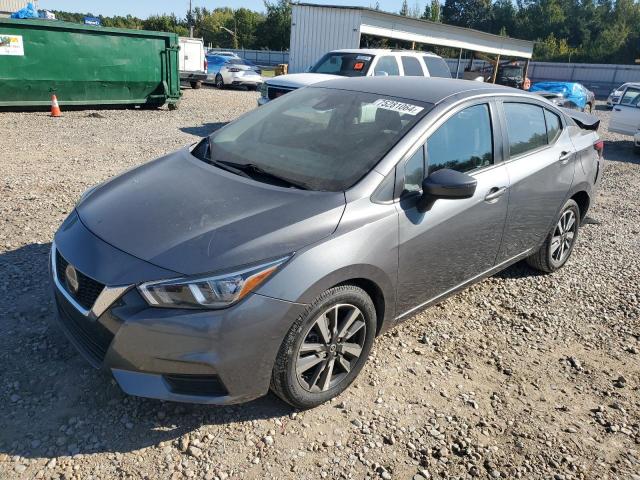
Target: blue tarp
x,y
570,90
27,12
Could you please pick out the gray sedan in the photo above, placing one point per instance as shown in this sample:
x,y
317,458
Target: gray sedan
x,y
272,253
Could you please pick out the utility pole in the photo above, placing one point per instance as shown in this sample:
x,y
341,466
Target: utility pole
x,y
190,20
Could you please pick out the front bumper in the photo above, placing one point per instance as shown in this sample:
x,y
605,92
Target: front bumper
x,y
197,356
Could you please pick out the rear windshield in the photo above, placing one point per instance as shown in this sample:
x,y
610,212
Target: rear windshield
x,y
343,64
320,138
437,67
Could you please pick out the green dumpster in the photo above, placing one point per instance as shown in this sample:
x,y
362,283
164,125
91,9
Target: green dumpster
x,y
86,65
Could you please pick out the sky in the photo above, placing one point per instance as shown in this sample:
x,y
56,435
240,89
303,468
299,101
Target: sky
x,y
144,8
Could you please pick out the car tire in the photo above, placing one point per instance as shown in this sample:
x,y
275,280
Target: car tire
x,y
219,81
588,108
196,85
317,361
557,247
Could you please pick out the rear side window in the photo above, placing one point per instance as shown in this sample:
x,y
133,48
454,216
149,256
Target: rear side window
x,y
437,67
631,96
412,67
387,64
526,127
553,126
462,143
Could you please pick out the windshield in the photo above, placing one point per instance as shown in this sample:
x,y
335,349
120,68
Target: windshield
x,y
343,64
511,71
319,138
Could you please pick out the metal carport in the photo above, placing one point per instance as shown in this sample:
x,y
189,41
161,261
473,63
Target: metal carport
x,y
317,29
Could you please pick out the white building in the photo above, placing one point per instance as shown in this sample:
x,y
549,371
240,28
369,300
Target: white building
x,y
317,29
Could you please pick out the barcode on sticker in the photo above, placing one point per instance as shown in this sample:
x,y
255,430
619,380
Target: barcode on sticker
x,y
398,106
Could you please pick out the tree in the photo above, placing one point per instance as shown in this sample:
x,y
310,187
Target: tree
x,y
467,13
404,10
432,11
275,31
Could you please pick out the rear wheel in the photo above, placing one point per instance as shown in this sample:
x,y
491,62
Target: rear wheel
x,y
559,244
326,347
219,81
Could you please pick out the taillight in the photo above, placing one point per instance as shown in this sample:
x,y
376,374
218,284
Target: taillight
x,y
206,65
599,147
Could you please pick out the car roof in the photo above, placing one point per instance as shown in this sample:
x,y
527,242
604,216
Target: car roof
x,y
423,89
380,51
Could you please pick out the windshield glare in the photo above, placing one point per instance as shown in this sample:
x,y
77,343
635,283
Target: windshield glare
x,y
321,138
343,64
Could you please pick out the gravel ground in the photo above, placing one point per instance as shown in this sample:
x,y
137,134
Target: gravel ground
x,y
521,376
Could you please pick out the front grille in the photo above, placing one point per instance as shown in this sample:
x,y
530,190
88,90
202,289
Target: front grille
x,y
89,336
275,92
88,288
200,385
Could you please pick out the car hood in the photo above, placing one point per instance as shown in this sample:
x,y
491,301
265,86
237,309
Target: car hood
x,y
298,80
185,215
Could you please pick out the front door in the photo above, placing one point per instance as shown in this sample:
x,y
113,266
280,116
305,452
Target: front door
x,y
456,240
540,166
625,117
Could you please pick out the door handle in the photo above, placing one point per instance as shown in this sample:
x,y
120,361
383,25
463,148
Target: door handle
x,y
564,157
495,193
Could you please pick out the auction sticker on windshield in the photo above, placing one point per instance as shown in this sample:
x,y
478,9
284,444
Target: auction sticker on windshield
x,y
399,107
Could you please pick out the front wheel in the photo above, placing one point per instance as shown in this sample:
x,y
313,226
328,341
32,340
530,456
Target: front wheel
x,y
588,108
559,244
325,349
219,81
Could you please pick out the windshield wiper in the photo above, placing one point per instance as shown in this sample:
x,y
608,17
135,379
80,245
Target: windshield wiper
x,y
251,168
229,168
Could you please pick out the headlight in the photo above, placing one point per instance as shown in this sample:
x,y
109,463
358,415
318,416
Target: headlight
x,y
217,291
263,90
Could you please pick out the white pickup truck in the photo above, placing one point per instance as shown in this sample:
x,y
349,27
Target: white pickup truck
x,y
358,63
192,61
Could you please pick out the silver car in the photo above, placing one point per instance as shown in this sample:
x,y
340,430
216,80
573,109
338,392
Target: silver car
x,y
272,253
233,71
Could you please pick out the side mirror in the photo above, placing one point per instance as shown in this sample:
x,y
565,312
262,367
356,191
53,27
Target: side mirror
x,y
445,184
381,73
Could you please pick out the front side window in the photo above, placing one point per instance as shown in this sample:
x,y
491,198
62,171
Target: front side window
x,y
630,97
437,66
554,126
387,64
462,143
411,67
343,64
526,127
320,138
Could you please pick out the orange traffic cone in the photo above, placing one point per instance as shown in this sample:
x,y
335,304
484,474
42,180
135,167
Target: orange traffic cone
x,y
55,108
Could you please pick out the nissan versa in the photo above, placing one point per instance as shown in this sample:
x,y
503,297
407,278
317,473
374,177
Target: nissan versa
x,y
270,254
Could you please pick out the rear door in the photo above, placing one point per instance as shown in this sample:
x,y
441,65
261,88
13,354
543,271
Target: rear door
x,y
540,163
191,55
625,117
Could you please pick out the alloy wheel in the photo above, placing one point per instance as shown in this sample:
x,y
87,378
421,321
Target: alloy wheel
x,y
331,348
563,236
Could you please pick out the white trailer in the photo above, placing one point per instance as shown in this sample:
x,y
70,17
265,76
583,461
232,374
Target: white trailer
x,y
192,61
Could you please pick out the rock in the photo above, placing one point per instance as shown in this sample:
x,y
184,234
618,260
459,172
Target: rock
x,y
194,451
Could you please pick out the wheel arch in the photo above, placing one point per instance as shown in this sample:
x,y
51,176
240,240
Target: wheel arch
x,y
582,198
